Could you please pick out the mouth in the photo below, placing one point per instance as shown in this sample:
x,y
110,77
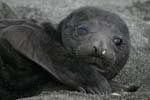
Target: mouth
x,y
98,64
97,67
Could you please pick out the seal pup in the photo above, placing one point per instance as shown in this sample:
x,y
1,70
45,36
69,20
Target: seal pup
x,y
89,48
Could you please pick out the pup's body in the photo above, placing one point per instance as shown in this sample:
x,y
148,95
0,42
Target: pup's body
x,y
89,49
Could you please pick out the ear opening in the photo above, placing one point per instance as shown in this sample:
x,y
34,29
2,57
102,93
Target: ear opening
x,y
50,30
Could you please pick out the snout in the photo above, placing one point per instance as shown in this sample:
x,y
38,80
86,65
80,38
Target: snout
x,y
98,55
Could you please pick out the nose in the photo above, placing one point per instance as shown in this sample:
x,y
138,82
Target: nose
x,y
103,50
98,49
95,49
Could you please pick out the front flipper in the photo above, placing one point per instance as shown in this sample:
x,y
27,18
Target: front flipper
x,y
119,87
83,78
32,42
100,86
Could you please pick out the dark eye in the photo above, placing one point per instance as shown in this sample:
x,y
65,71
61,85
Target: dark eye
x,y
118,41
82,31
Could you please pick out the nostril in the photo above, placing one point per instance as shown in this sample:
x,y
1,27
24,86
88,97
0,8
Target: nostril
x,y
94,49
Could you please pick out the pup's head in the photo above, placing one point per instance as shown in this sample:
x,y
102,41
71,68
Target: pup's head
x,y
98,36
